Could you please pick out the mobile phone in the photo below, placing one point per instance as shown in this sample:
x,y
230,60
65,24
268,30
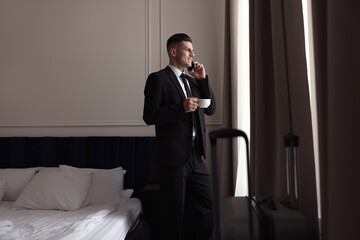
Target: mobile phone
x,y
191,67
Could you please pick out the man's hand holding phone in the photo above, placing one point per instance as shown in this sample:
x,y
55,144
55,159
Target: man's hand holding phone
x,y
190,104
197,71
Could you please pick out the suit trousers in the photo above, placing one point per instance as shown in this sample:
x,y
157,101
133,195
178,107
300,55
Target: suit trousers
x,y
187,200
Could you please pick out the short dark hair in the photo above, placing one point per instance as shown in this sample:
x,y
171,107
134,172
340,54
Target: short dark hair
x,y
176,39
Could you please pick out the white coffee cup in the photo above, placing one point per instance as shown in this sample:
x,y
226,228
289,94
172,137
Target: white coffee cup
x,y
204,103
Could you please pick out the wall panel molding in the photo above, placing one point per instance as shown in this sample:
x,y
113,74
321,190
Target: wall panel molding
x,y
81,65
69,66
89,124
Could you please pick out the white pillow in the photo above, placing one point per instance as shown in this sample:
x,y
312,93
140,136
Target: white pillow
x,y
17,179
3,185
55,190
124,196
49,169
106,185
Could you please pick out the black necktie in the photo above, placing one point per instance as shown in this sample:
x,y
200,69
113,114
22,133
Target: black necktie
x,y
189,94
187,89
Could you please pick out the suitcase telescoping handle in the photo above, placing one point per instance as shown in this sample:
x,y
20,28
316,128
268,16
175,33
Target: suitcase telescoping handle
x,y
214,135
231,133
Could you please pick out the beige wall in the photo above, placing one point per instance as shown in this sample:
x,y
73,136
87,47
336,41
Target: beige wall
x,y
78,67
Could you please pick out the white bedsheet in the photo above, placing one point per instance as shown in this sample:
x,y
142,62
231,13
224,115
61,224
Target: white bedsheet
x,y
92,222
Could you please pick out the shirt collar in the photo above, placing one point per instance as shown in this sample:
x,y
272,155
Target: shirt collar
x,y
176,70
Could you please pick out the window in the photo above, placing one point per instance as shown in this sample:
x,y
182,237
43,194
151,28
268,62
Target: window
x,y
310,64
243,94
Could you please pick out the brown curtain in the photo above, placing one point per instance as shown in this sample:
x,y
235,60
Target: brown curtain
x,y
337,65
226,154
277,73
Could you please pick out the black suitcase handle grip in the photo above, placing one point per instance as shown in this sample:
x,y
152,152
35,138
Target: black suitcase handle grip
x,y
227,133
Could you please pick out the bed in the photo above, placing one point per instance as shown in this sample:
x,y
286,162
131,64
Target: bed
x,y
74,187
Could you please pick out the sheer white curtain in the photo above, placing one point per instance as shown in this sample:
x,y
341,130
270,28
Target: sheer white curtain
x,y
240,87
310,65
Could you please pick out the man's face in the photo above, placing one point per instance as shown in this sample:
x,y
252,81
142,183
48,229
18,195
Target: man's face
x,y
184,54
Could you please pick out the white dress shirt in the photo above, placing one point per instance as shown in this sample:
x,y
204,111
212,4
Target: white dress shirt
x,y
177,74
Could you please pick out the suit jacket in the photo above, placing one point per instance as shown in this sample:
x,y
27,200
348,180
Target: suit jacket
x,y
164,107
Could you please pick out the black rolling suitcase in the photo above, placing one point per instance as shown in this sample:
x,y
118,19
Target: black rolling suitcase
x,y
249,218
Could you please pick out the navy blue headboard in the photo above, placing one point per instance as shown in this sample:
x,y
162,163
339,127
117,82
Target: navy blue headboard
x,y
135,154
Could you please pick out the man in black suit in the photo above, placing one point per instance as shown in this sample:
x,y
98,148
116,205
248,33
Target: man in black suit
x,y
171,103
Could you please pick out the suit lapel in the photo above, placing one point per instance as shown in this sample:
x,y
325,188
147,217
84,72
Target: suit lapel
x,y
175,82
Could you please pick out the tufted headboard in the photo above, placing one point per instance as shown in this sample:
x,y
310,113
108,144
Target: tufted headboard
x,y
135,154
